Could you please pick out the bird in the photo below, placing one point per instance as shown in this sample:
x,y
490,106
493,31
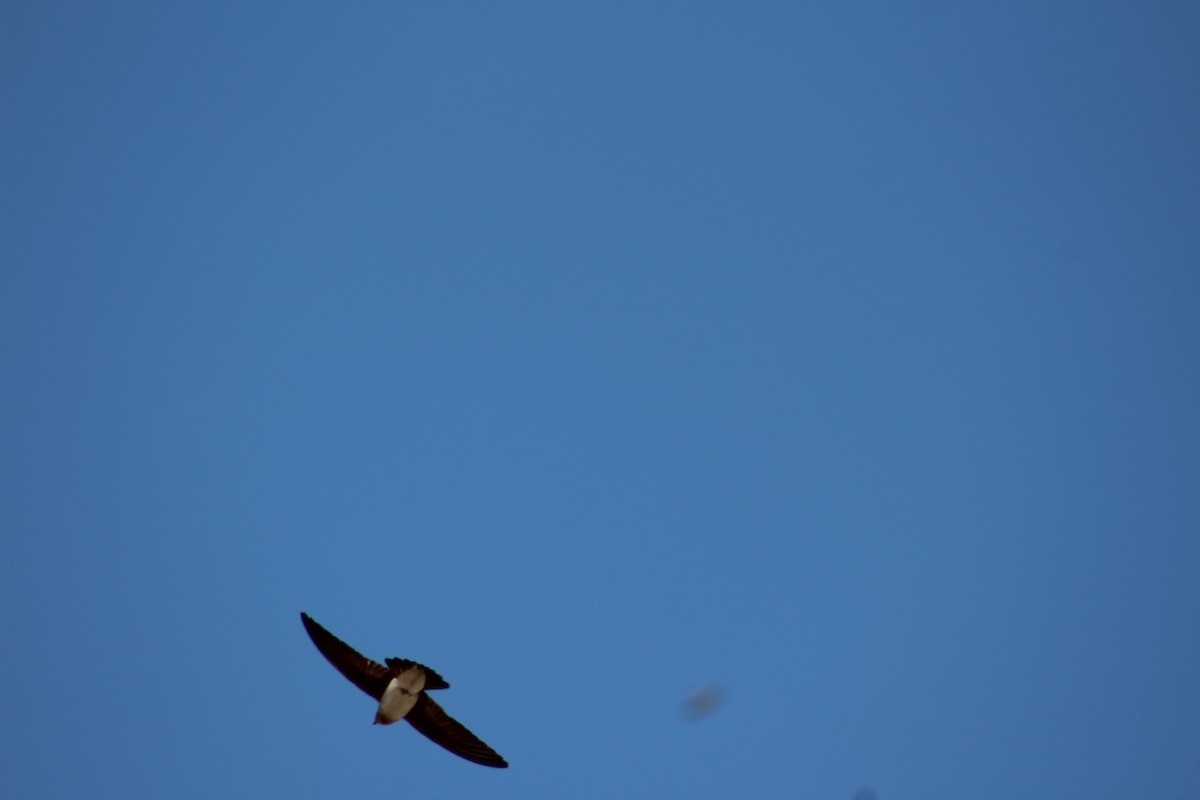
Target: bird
x,y
401,689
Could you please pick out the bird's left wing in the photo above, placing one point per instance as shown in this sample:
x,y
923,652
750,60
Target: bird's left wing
x,y
364,673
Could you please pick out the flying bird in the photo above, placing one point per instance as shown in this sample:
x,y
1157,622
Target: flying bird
x,y
401,688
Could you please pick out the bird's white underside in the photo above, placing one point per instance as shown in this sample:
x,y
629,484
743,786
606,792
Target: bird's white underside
x,y
400,695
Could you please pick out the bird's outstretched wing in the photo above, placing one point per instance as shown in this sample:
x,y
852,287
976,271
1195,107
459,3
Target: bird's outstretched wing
x,y
364,673
429,718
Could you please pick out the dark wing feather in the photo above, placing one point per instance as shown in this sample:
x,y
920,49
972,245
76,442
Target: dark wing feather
x,y
429,718
432,679
364,673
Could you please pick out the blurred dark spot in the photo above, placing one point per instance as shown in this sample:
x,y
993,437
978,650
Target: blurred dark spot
x,y
703,702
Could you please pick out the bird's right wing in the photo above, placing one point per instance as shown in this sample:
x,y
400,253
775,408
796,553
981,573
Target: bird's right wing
x,y
429,718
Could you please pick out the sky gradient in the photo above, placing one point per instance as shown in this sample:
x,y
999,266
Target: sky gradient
x,y
839,358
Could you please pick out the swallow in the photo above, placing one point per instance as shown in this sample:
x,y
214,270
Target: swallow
x,y
400,688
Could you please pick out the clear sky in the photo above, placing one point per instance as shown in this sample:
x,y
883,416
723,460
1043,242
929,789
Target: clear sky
x,y
842,358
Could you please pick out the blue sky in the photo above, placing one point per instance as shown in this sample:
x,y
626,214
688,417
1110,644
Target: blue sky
x,y
842,356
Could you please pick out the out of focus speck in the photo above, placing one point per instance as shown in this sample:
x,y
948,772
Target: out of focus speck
x,y
703,702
